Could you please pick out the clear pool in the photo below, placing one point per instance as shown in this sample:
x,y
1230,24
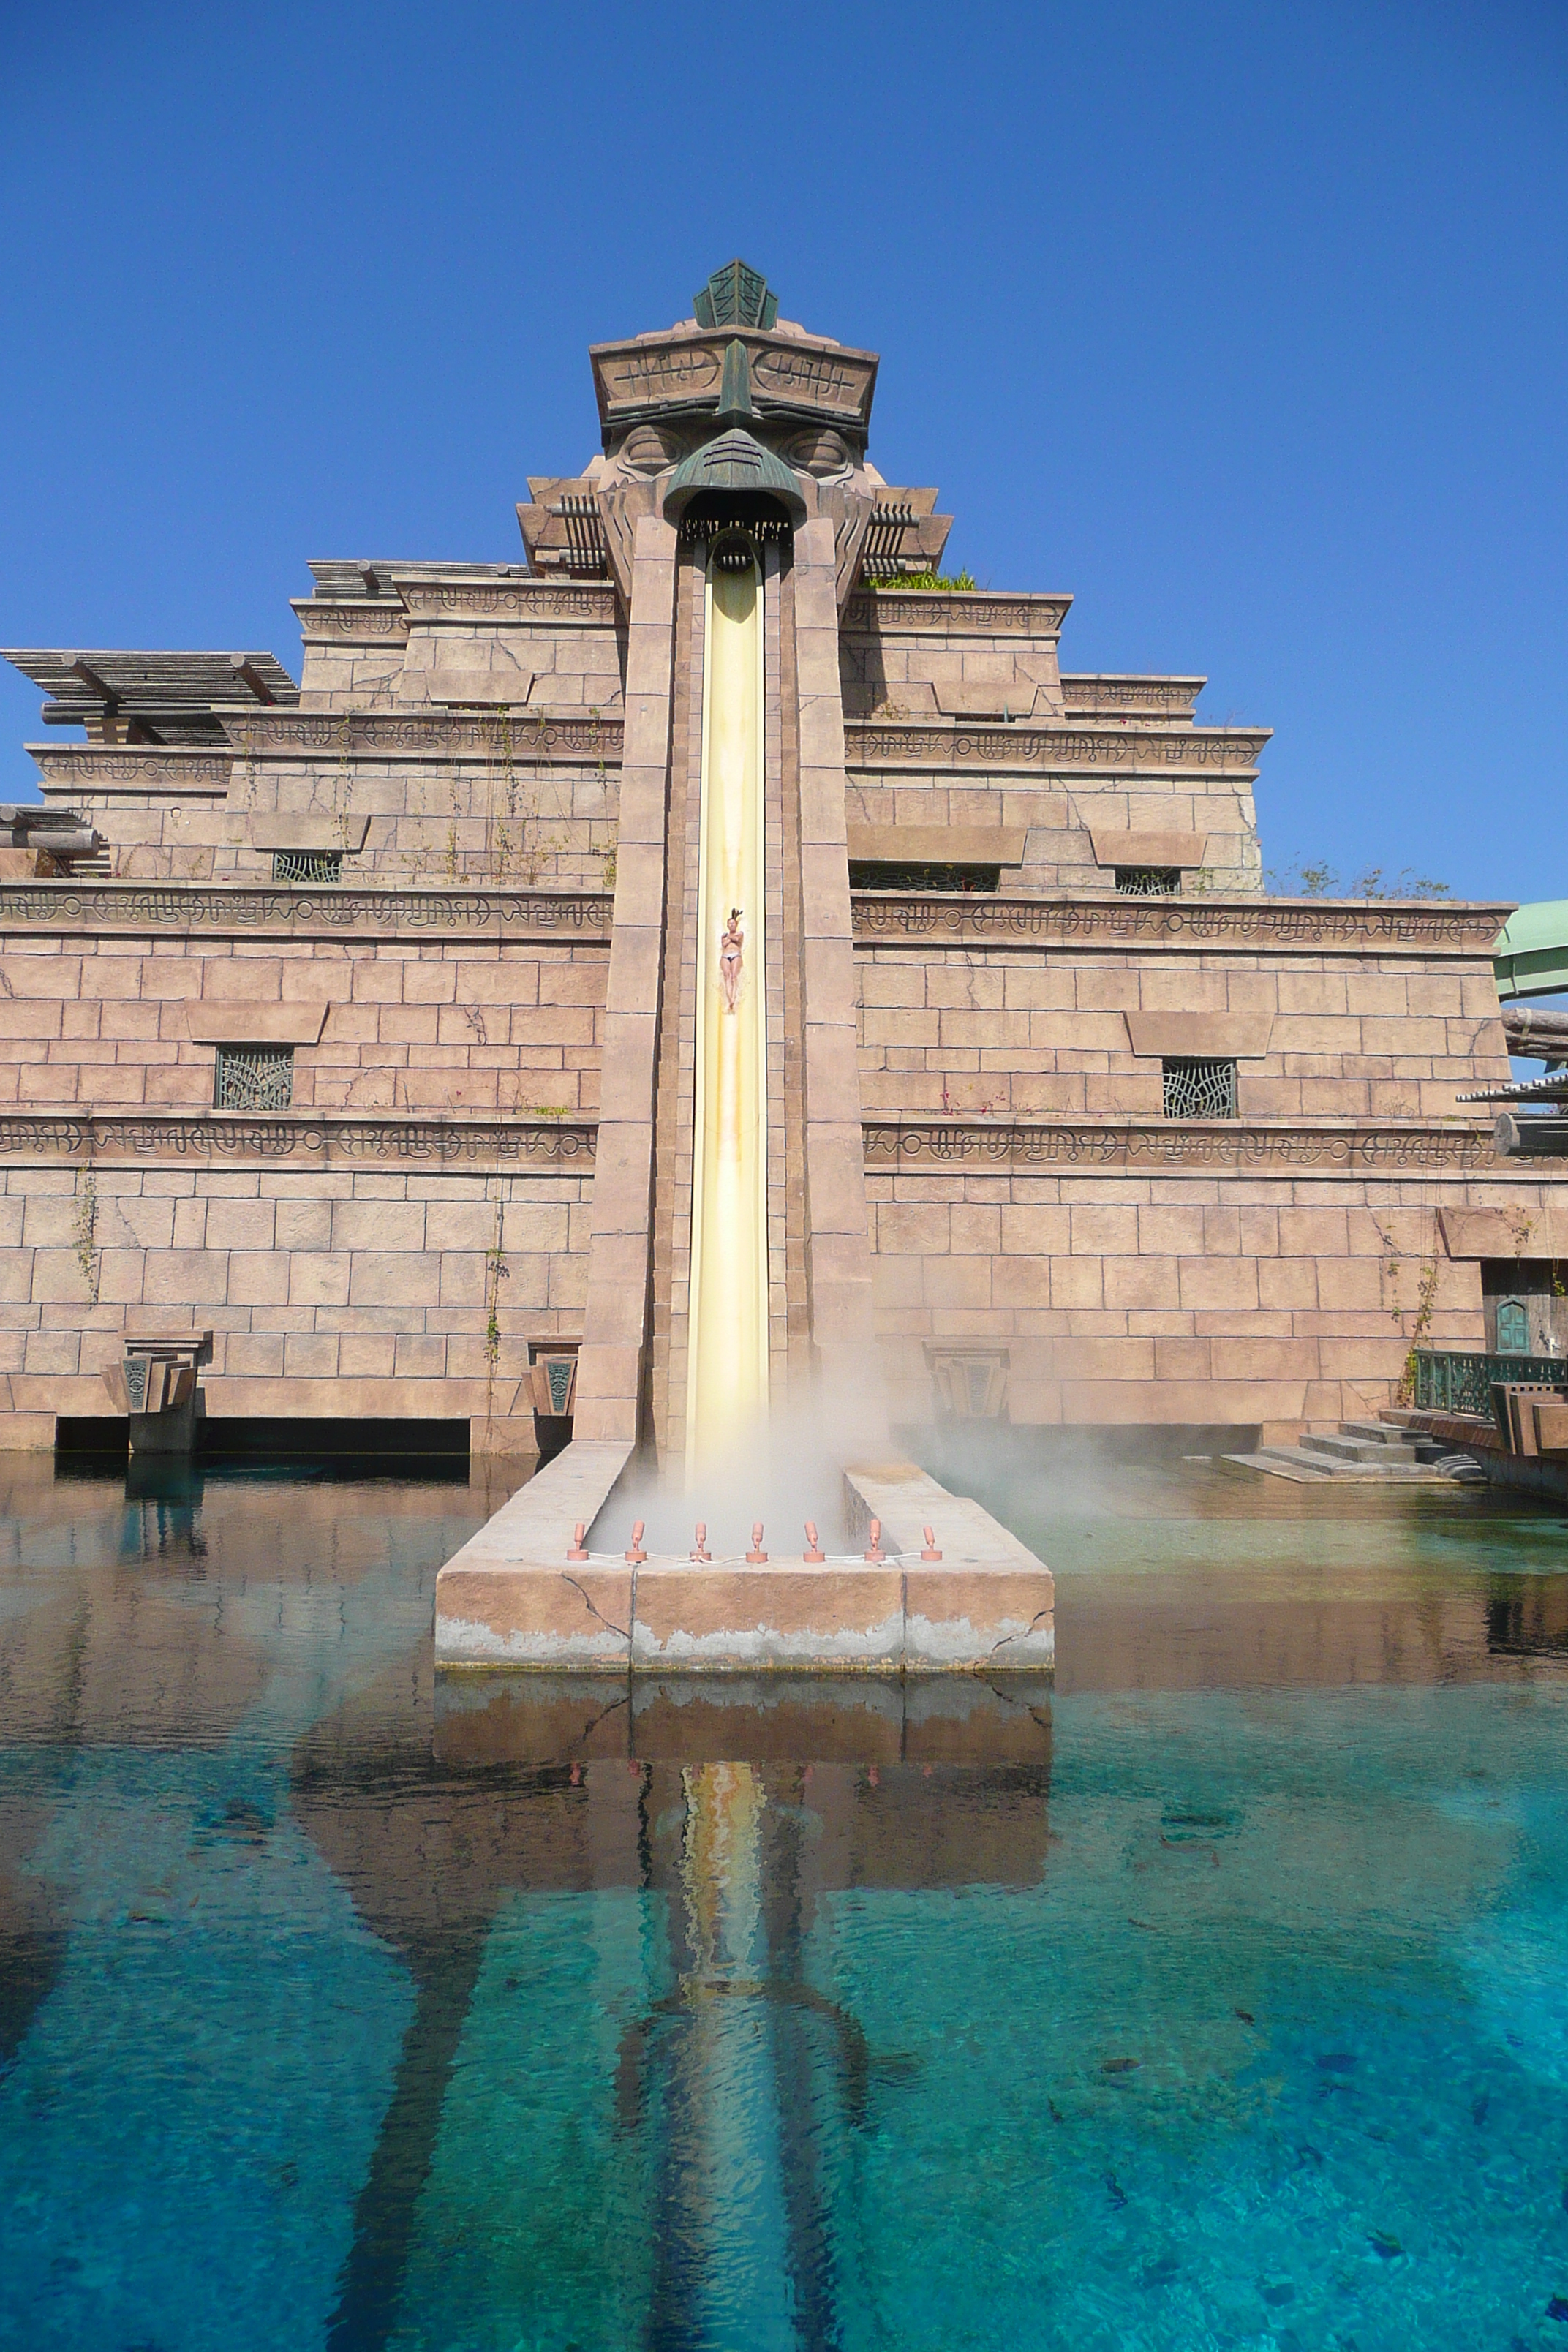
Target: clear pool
x,y
1218,1998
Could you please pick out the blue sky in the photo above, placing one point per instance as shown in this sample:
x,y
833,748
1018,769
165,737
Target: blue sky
x,y
1244,323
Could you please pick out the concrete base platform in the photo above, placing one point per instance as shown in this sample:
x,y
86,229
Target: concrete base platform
x,y
512,1597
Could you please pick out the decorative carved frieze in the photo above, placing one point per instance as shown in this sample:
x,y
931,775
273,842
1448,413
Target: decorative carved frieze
x,y
204,1138
421,735
101,767
356,617
979,919
641,376
867,743
914,612
1088,697
787,371
518,600
814,379
1035,1146
303,913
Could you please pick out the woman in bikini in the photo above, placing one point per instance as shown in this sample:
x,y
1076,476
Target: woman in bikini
x,y
731,946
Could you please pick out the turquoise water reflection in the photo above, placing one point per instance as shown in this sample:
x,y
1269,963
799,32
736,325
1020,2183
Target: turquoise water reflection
x,y
1216,2000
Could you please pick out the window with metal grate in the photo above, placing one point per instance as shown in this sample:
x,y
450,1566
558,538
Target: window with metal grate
x,y
865,874
307,865
1148,881
1199,1089
254,1078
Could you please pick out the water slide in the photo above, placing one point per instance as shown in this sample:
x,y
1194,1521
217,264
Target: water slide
x,y
728,1378
1530,958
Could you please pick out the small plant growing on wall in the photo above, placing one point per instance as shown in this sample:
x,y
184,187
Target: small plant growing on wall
x,y
1425,1301
88,1256
496,1272
343,781
955,583
1392,1264
1325,881
1521,1226
452,837
1427,1267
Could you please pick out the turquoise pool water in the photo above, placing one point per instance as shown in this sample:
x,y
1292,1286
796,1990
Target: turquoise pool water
x,y
1218,1998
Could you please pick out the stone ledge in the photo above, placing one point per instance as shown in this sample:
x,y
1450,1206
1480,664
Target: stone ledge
x,y
105,769
421,735
934,1146
937,845
1182,850
930,919
1242,1035
229,1137
1053,749
301,910
887,612
276,829
295,1021
433,599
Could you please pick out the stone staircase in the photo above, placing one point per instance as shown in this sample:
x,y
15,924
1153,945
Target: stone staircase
x,y
1383,1452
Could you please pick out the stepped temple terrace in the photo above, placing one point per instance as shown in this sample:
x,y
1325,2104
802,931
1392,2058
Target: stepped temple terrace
x,y
713,959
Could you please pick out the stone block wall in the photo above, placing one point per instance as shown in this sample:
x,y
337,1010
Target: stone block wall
x,y
1021,1032
502,818
1059,817
1126,1298
106,1022
538,647
895,648
533,670
359,1293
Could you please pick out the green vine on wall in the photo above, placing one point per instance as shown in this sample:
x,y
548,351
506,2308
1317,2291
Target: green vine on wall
x,y
497,1270
502,847
1425,1301
1392,1262
343,781
1428,1267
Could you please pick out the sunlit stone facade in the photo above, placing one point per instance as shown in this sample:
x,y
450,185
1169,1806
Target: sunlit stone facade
x,y
353,1024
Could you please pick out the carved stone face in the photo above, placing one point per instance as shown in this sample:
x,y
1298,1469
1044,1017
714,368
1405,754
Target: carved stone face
x,y
647,449
820,451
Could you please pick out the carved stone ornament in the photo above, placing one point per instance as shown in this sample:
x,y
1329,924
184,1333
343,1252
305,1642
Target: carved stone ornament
x,y
925,612
819,451
355,617
650,449
1035,1144
1310,925
736,296
244,911
422,735
112,768
550,1146
867,743
521,600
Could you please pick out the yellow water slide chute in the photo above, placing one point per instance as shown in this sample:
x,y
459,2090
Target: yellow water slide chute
x,y
727,1377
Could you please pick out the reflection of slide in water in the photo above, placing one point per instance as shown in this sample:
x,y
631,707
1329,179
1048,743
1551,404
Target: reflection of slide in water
x,y
727,1385
749,2076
